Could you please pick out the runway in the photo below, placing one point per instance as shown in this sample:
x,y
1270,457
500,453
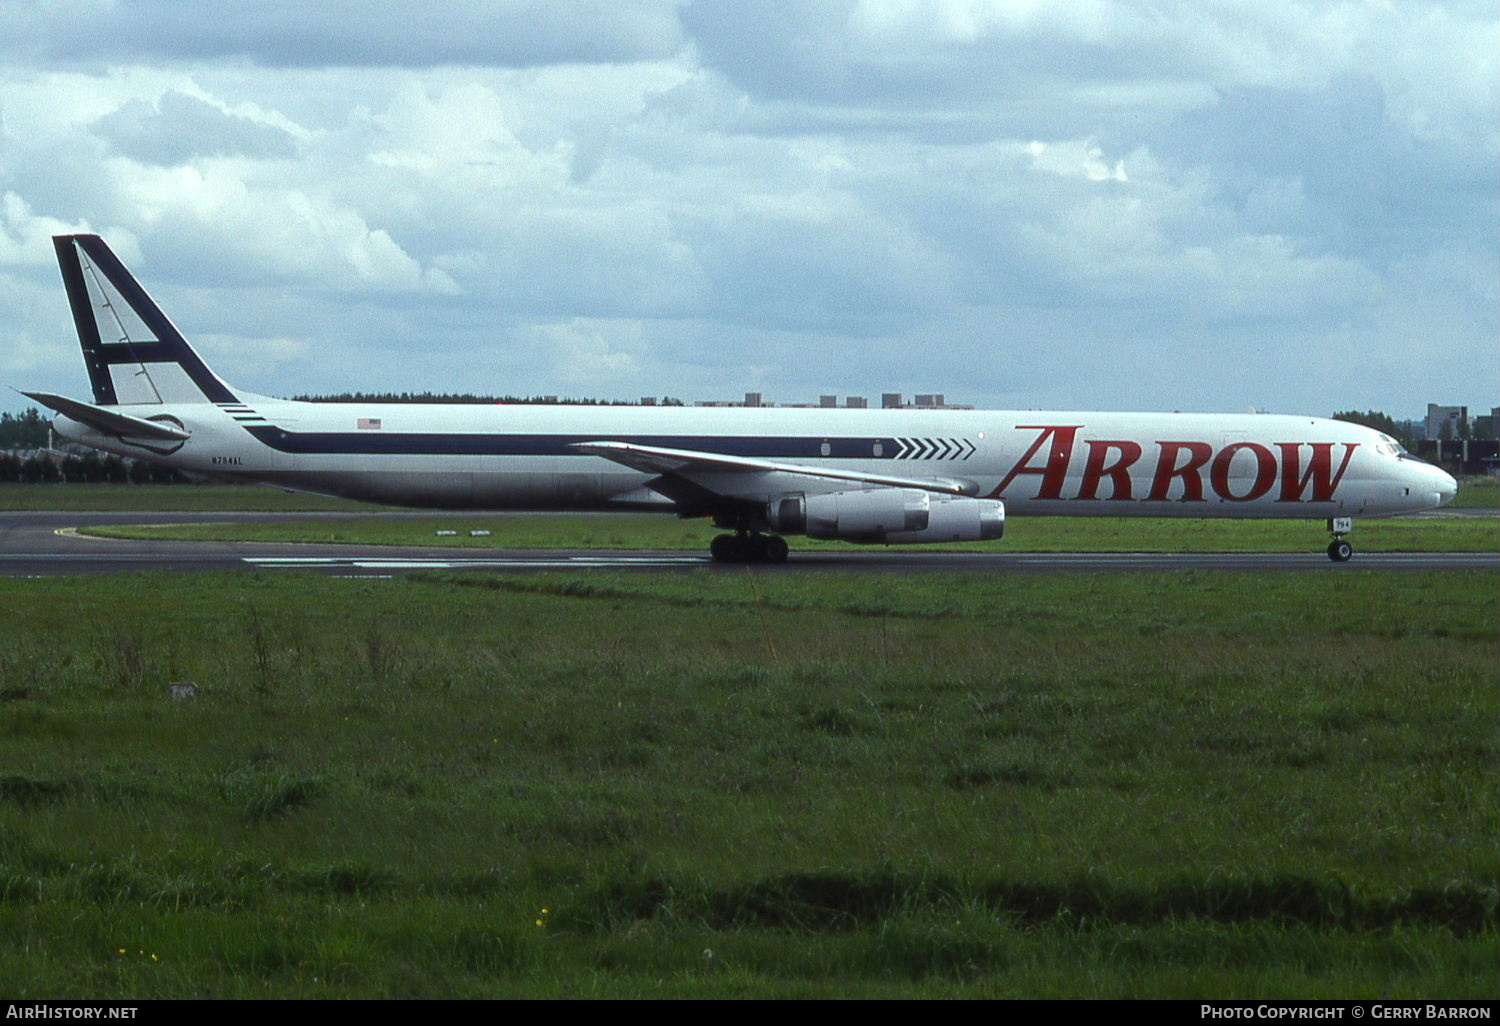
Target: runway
x,y
31,545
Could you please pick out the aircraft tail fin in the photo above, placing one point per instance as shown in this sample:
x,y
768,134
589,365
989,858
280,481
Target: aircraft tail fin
x,y
134,354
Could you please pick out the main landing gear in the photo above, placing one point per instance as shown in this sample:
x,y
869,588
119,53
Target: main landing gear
x,y
747,547
1339,550
747,544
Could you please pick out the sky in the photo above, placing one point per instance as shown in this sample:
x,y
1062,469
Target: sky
x,y
1027,204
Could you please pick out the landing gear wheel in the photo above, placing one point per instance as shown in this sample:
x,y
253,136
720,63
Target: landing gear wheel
x,y
774,549
751,548
725,548
1339,550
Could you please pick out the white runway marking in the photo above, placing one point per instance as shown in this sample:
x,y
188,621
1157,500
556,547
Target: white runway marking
x,y
356,562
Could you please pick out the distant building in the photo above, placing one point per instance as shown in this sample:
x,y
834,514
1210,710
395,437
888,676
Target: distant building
x,y
888,401
1486,425
1455,418
932,401
1464,456
752,399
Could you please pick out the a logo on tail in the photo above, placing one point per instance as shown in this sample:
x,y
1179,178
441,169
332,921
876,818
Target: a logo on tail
x,y
133,352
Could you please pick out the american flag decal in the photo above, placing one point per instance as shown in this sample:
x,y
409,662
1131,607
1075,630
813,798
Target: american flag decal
x,y
369,423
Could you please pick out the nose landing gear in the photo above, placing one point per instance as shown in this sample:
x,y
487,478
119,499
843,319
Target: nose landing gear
x,y
1339,550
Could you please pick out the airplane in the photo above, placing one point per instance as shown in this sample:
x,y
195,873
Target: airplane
x,y
868,476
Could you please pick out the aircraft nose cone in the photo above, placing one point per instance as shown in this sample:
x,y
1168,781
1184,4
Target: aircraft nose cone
x,y
1447,487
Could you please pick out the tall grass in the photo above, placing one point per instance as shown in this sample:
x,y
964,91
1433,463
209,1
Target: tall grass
x,y
1163,784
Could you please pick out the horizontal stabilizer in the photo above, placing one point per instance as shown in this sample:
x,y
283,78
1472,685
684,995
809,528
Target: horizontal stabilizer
x,y
111,422
686,462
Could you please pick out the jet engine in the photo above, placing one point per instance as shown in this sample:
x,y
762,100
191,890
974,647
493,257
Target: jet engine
x,y
888,515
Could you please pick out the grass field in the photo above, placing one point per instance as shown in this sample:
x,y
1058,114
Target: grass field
x,y
148,497
1164,785
1477,493
1023,534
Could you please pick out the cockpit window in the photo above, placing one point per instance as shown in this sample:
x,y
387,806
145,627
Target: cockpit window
x,y
1388,446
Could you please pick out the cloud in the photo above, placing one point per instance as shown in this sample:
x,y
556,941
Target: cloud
x,y
178,128
1085,203
1079,158
1374,186
999,53
346,33
25,237
586,357
819,260
218,222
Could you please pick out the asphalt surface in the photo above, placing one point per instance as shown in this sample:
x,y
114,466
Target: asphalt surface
x,y
43,544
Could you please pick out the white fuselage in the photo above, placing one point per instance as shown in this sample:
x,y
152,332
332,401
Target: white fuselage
x,y
504,457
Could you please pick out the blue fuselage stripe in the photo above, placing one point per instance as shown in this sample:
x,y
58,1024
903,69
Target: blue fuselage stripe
x,y
377,443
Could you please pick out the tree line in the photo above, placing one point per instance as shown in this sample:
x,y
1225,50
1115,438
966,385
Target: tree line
x,y
26,431
1402,430
93,468
1379,421
23,434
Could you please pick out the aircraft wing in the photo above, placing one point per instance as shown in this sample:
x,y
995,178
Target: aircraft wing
x,y
111,422
691,464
